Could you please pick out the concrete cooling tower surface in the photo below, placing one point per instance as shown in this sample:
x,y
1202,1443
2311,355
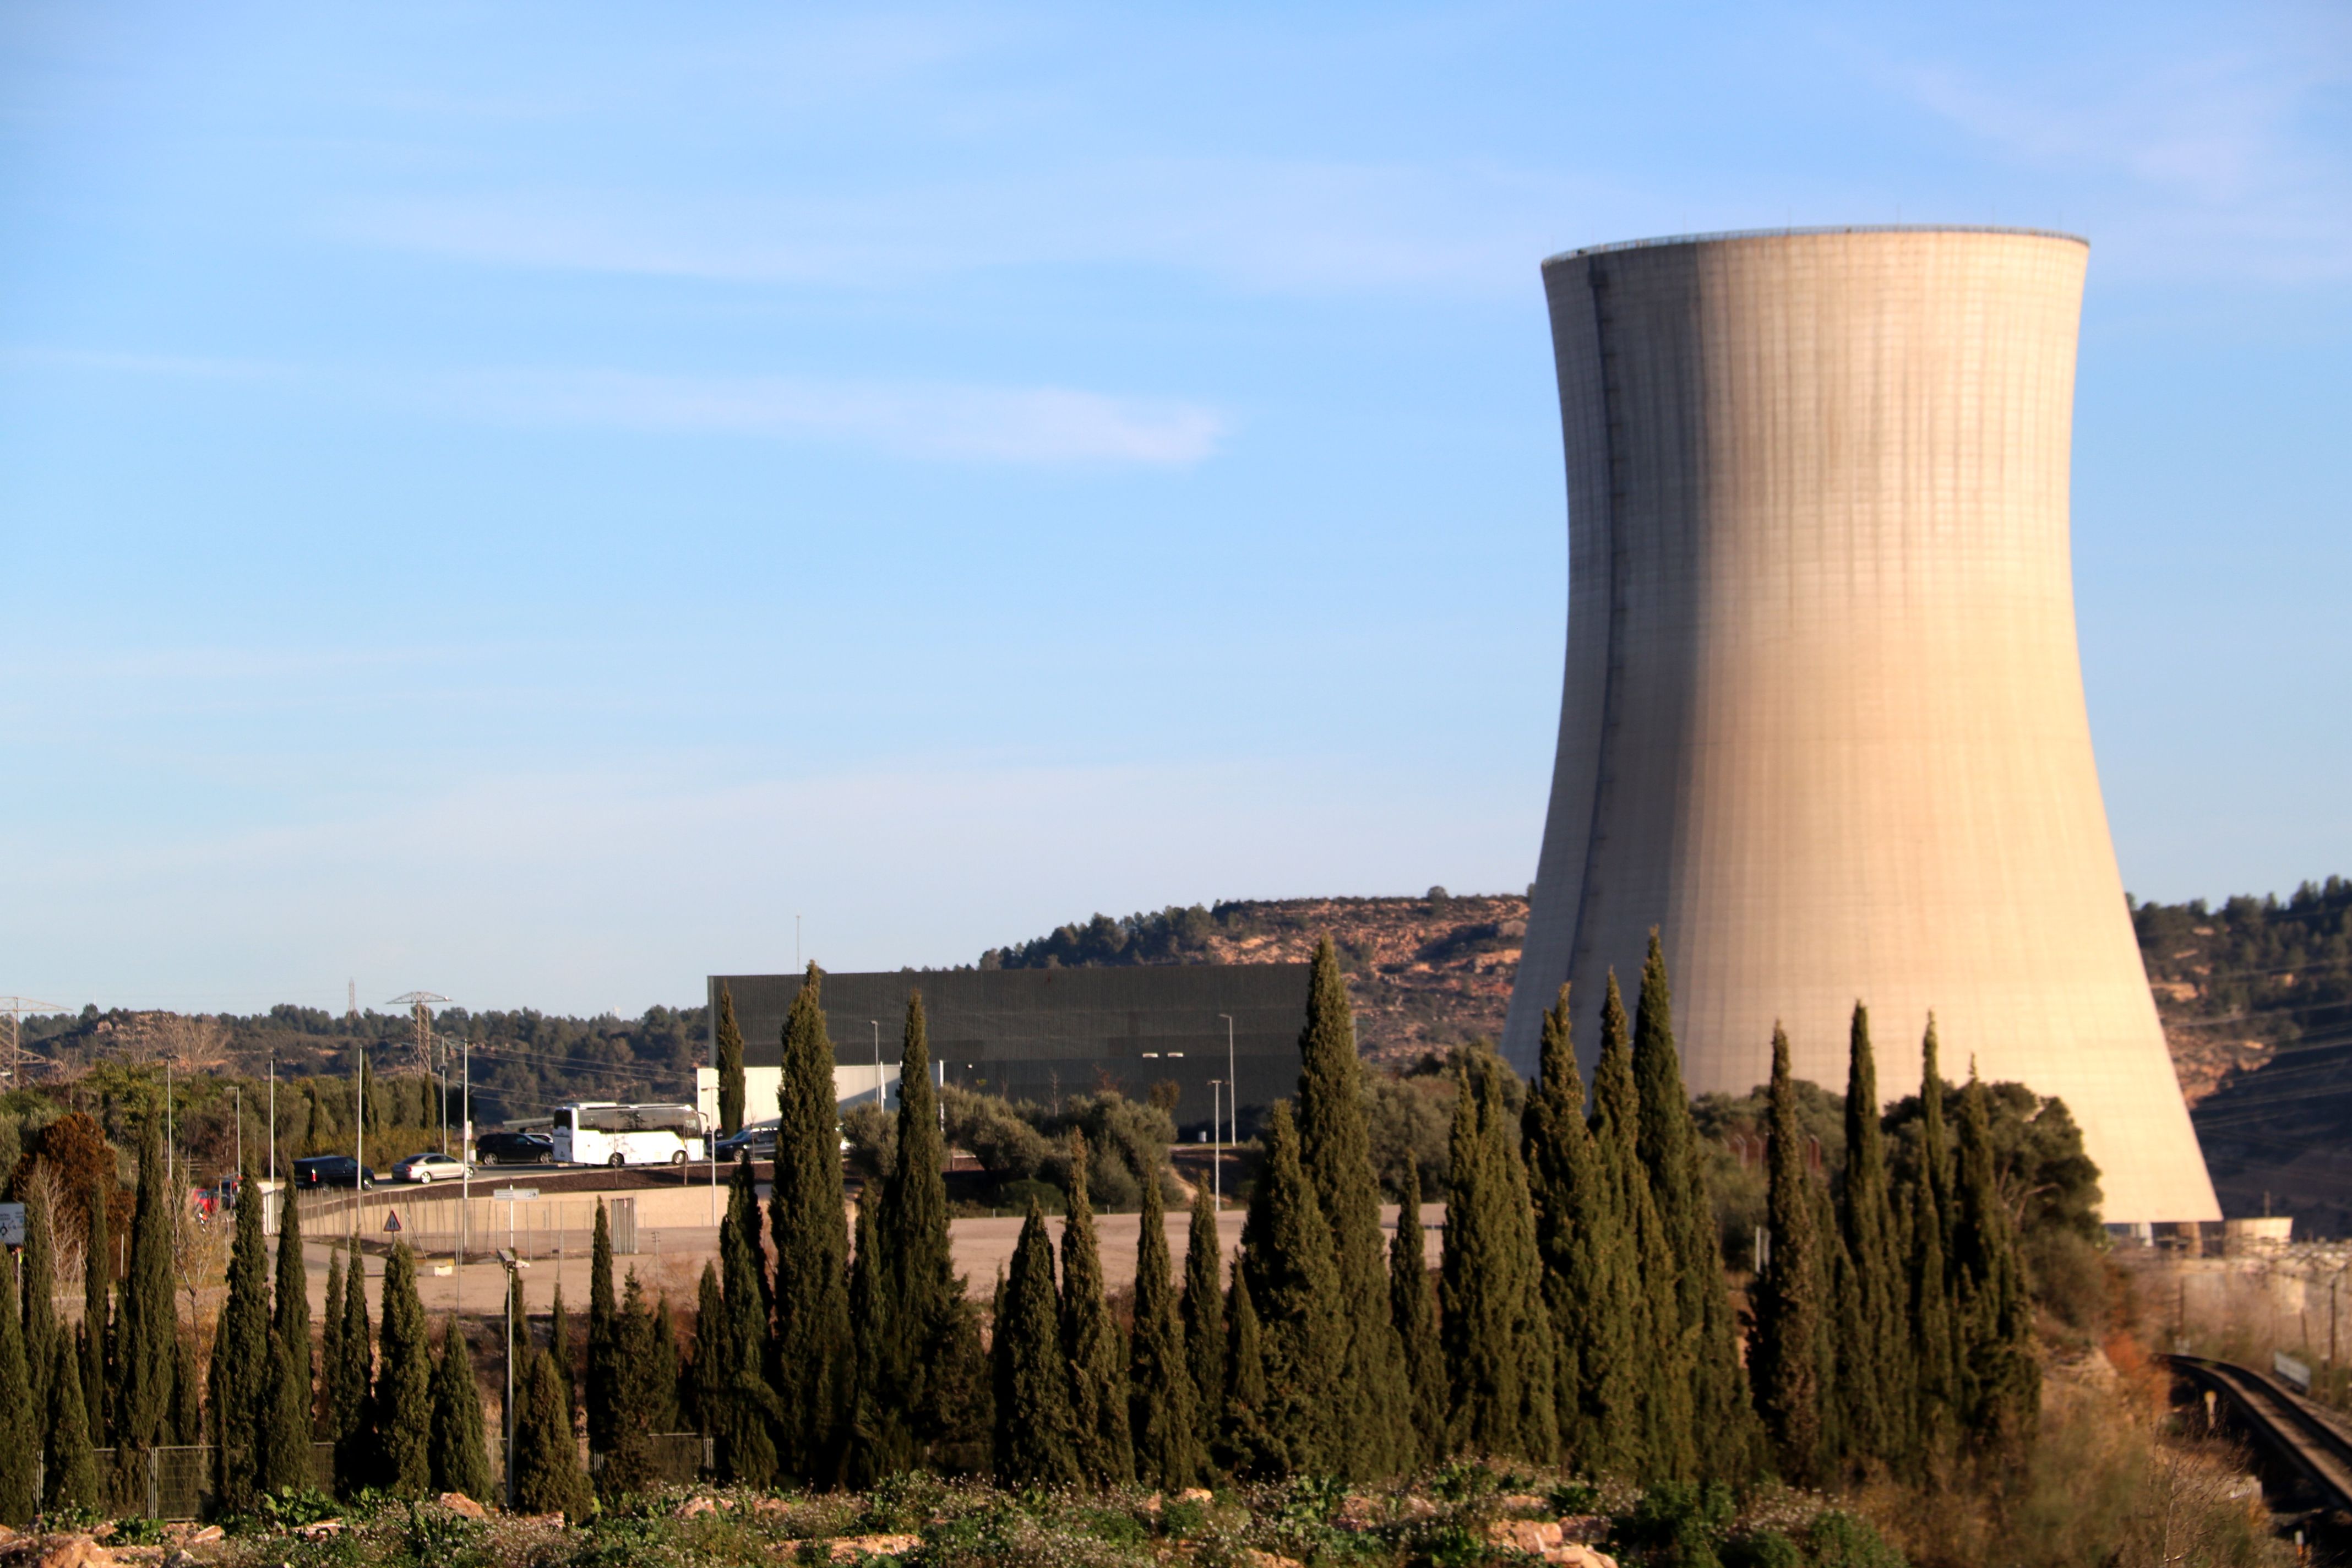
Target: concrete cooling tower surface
x,y
1823,721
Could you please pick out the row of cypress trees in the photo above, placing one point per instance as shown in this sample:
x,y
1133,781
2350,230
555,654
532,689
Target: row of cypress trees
x,y
1893,1326
789,1381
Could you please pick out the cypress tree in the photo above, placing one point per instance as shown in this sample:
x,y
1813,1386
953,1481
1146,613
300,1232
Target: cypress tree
x,y
2000,1381
69,1468
143,1357
1415,1312
879,1442
1723,1422
1035,1445
1294,1287
1205,1314
1335,1152
403,1388
1874,1401
351,1389
1785,1352
240,1364
1938,1346
1243,1444
20,1437
604,1341
548,1478
1655,1432
728,1039
746,1414
1162,1411
812,1344
283,1460
97,1308
461,1461
331,1341
40,1271
558,1350
1932,1373
640,1389
1090,1338
662,1371
933,1365
1497,1333
707,1374
1840,1350
187,1424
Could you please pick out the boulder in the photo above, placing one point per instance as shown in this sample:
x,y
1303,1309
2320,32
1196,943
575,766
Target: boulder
x,y
696,1506
67,1551
1196,1494
458,1502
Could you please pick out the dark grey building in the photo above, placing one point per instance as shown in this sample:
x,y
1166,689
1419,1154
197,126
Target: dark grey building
x,y
1042,1033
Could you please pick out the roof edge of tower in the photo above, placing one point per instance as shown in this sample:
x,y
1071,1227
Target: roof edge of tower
x,y
1733,233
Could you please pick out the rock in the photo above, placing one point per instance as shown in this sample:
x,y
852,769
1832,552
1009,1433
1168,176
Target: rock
x,y
1418,1507
1254,1558
208,1533
770,1506
70,1552
180,1557
1196,1494
696,1506
1575,1554
1524,1504
1533,1536
459,1503
851,1547
1587,1527
320,1530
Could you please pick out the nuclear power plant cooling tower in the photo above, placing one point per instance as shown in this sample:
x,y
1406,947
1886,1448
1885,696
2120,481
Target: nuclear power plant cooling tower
x,y
1823,721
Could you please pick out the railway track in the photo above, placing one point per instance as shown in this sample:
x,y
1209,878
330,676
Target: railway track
x,y
2285,1424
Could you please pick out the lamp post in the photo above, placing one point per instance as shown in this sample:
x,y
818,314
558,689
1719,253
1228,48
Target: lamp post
x,y
1233,1082
1216,1152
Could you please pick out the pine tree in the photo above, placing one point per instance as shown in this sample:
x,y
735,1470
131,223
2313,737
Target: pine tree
x,y
97,1310
1205,1314
20,1437
1294,1288
747,1414
1090,1338
148,1327
1335,1152
1163,1412
707,1374
1655,1434
351,1389
603,1341
1415,1312
933,1365
1723,1422
40,1271
404,1385
814,1350
1035,1445
1785,1352
2000,1381
461,1461
729,1055
548,1478
69,1468
1874,1397
1497,1333
241,1363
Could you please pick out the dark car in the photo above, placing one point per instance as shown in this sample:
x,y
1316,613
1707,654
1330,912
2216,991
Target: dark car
x,y
331,1171
758,1139
513,1149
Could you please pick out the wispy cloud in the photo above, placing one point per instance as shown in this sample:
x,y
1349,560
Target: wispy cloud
x,y
987,424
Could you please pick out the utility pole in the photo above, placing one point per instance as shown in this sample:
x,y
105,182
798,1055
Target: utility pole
x,y
17,1007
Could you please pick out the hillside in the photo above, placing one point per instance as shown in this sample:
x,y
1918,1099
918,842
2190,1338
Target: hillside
x,y
1422,973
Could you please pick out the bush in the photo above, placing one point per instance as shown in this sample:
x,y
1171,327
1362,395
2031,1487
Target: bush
x,y
1679,1525
1762,1549
1841,1540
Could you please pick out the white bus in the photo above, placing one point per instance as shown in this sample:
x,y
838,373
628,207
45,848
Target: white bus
x,y
601,1132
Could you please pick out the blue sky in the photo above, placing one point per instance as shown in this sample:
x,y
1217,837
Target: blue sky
x,y
525,500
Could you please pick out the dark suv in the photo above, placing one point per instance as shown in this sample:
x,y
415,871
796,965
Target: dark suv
x,y
331,1171
513,1149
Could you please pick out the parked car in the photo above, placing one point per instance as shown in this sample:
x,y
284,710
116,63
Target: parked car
x,y
428,1167
331,1171
513,1149
760,1138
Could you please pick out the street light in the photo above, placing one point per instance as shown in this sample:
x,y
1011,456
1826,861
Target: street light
x,y
511,1263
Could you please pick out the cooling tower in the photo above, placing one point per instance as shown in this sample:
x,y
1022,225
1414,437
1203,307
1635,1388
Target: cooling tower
x,y
1822,719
